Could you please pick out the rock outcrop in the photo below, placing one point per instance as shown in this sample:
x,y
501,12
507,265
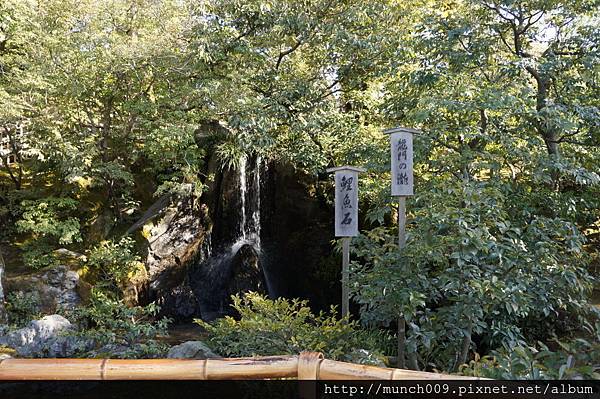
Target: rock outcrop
x,y
175,235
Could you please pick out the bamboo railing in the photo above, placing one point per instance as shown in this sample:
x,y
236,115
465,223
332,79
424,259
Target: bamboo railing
x,y
306,366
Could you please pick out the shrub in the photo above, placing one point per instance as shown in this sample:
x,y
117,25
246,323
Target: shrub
x,y
474,276
111,323
577,359
281,326
22,307
113,262
49,223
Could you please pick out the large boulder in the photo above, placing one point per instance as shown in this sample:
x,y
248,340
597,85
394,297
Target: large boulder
x,y
174,241
58,287
191,350
33,339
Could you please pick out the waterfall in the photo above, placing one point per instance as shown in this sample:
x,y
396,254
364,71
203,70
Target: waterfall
x,y
234,264
243,194
249,229
256,202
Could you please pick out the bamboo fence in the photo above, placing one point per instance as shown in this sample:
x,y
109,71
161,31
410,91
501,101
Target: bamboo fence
x,y
306,366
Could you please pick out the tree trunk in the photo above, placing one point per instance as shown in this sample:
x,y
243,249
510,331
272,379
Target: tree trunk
x,y
413,362
401,342
548,133
466,344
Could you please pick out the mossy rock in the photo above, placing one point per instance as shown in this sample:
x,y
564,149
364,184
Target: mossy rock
x,y
5,350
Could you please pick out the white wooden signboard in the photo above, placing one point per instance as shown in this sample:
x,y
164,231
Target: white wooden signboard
x,y
346,200
401,142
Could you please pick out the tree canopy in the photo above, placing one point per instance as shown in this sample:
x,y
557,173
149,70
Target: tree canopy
x,y
101,97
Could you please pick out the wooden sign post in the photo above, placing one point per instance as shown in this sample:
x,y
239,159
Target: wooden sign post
x,y
346,220
401,148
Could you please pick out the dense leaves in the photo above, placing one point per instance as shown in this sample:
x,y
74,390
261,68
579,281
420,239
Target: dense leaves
x,y
105,104
274,327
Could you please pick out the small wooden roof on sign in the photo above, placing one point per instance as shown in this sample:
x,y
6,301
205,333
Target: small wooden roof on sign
x,y
352,168
401,129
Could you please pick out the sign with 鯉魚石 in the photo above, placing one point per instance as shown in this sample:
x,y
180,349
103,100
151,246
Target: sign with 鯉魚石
x,y
346,200
401,142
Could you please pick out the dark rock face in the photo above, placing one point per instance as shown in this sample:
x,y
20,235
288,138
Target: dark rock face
x,y
245,272
230,273
180,302
296,234
262,227
175,241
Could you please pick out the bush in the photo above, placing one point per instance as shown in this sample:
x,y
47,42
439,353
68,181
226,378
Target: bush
x,y
109,323
22,307
577,359
49,222
474,276
113,262
276,327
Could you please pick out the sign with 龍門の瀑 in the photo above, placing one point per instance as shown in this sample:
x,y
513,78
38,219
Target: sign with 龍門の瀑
x,y
346,201
401,141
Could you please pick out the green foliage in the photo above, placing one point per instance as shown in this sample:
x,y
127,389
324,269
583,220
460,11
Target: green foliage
x,y
22,307
50,224
275,327
577,359
472,268
110,323
113,261
503,233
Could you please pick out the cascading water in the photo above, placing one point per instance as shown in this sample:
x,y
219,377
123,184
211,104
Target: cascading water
x,y
249,229
237,267
243,194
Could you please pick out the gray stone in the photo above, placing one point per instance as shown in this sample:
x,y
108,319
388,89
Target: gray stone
x,y
173,241
32,340
191,350
57,287
66,346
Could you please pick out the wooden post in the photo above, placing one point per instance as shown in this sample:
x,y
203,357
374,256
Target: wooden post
x,y
401,150
401,223
346,221
345,276
401,244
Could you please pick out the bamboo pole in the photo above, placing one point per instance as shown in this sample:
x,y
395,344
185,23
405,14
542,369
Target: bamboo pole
x,y
306,366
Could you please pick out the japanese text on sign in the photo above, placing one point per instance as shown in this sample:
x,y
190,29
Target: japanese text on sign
x,y
402,163
346,203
